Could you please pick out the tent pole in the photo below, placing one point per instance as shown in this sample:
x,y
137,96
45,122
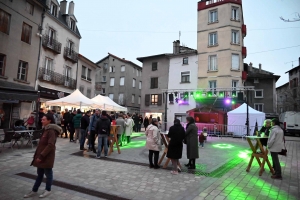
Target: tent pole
x,y
247,118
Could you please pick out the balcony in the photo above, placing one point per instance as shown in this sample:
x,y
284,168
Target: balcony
x,y
56,78
202,5
244,30
51,44
71,55
244,52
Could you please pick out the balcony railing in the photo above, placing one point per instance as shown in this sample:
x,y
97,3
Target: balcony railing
x,y
52,44
211,3
56,78
71,55
244,30
244,52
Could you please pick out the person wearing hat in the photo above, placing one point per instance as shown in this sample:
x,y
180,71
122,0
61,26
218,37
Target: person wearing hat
x,y
275,145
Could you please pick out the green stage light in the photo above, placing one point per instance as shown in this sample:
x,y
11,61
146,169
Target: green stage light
x,y
233,102
223,146
197,95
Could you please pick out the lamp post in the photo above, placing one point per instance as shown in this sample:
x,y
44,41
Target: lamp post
x,y
247,117
166,109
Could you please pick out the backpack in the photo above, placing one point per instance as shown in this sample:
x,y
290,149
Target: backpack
x,y
30,120
104,127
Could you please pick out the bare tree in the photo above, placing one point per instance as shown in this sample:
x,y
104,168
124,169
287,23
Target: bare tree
x,y
297,18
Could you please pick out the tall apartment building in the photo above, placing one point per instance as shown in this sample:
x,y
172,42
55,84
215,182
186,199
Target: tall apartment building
x,y
220,45
58,64
120,80
19,48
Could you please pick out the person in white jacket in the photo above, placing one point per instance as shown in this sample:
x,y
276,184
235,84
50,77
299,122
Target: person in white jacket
x,y
275,145
153,143
129,123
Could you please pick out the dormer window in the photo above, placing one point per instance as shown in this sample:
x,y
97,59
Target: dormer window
x,y
53,9
72,24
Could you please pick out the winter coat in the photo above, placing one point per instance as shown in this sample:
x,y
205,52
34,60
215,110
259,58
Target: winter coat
x,y
201,138
67,118
58,119
84,122
146,122
93,122
76,120
103,122
265,130
45,150
191,137
176,135
153,138
141,120
275,141
129,123
121,122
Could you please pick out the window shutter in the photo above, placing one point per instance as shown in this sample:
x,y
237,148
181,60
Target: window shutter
x,y
147,99
159,101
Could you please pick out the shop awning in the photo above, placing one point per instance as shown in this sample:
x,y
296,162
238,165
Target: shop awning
x,y
15,93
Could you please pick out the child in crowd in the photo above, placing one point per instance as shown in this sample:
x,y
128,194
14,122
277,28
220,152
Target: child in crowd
x,y
201,140
205,134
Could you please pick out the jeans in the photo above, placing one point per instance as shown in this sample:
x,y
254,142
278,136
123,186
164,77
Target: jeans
x,y
77,134
276,163
82,139
156,155
92,139
102,140
201,144
49,178
139,126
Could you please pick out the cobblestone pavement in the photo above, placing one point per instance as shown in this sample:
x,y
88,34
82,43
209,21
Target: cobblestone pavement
x,y
220,173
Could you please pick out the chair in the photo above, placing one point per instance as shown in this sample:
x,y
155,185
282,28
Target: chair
x,y
8,137
35,136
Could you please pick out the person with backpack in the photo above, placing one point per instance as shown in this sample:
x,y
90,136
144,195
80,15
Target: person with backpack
x,y
103,131
92,129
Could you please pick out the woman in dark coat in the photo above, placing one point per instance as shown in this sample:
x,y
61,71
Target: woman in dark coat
x,y
146,122
44,156
191,138
176,135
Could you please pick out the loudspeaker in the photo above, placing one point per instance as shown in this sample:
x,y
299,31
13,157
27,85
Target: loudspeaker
x,y
240,96
171,97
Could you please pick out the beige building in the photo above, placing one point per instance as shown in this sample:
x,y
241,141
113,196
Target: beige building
x,y
19,48
220,33
58,64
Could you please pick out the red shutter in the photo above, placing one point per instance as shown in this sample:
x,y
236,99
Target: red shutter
x,y
147,99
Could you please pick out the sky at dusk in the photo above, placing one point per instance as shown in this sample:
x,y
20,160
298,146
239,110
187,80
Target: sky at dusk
x,y
135,28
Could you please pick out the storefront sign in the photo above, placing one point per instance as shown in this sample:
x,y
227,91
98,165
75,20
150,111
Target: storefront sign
x,y
51,94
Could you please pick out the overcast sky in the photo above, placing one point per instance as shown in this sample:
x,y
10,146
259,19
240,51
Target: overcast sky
x,y
136,28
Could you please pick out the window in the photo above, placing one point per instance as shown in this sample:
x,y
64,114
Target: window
x,y
112,81
29,7
154,99
121,99
259,93
70,46
140,85
111,96
53,9
185,77
139,100
48,64
122,79
26,33
154,66
154,83
51,35
2,64
103,90
212,63
185,61
213,39
22,70
86,73
81,89
213,86
137,72
235,61
133,82
103,78
235,84
112,69
4,21
88,93
89,74
72,24
259,107
123,68
105,66
132,98
235,37
235,13
213,16
68,72
83,72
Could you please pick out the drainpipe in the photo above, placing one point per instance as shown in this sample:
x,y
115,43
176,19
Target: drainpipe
x,y
77,72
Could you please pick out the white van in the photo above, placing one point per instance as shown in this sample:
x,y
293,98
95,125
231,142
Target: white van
x,y
290,122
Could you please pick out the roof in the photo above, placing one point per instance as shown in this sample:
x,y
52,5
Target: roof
x,y
158,55
88,60
121,59
284,85
295,68
256,73
62,19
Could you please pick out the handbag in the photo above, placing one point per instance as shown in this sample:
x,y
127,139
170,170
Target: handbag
x,y
283,151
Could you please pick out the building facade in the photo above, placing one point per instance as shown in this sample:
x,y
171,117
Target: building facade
x,y
263,98
120,80
220,45
19,48
58,65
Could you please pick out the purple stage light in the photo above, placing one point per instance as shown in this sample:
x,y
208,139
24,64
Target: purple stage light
x,y
180,101
227,101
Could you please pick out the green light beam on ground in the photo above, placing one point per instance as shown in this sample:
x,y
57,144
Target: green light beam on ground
x,y
223,146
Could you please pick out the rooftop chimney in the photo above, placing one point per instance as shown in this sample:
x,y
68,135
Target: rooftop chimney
x,y
71,8
259,68
299,61
176,46
63,7
250,67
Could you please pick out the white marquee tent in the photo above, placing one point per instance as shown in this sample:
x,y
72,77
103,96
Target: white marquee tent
x,y
76,99
237,119
107,104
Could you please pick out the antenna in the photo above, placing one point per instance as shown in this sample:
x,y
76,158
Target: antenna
x,y
179,35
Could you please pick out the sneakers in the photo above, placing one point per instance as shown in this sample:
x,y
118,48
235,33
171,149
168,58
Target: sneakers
x,y
30,194
45,194
105,156
98,157
276,177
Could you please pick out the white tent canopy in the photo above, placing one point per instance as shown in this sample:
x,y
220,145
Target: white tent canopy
x,y
107,104
75,99
237,119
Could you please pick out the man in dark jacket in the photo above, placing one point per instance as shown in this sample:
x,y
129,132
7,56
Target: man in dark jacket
x,y
41,115
140,123
66,119
84,124
135,118
92,129
71,125
103,131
